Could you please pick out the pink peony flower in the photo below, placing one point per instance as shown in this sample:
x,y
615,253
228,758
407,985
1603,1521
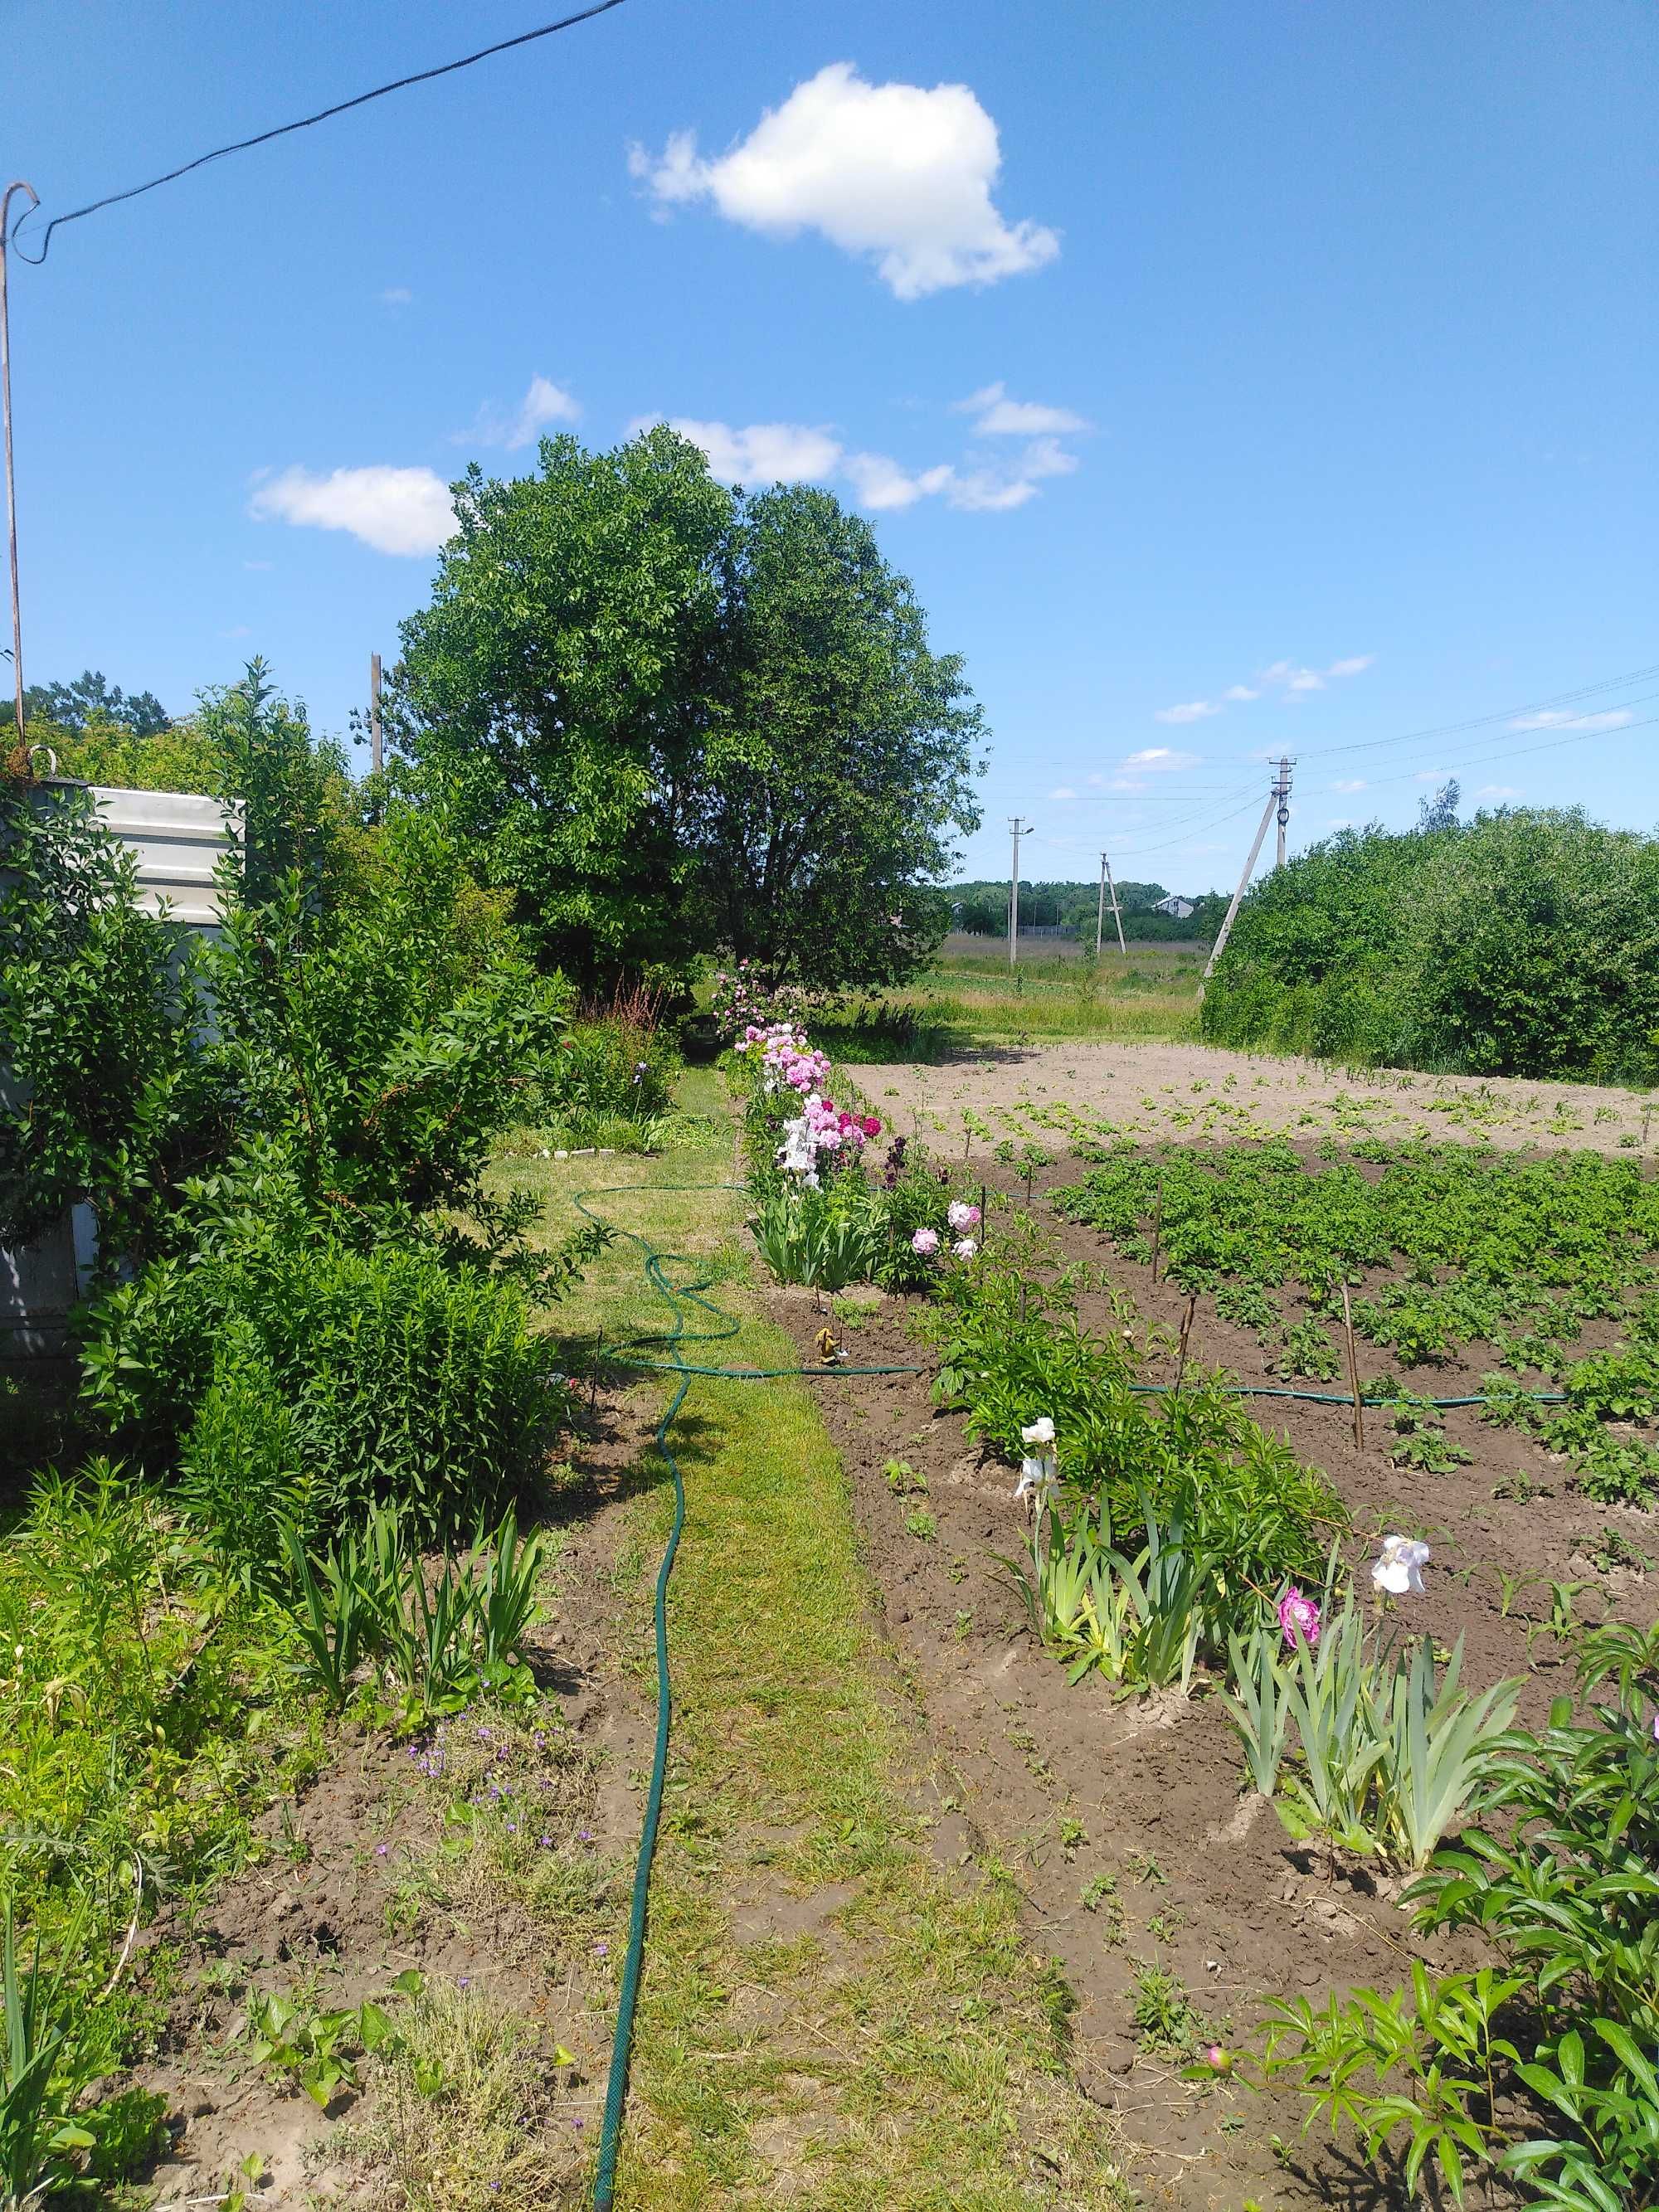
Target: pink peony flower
x,y
961,1216
964,1248
873,1125
1299,1618
1218,2060
926,1241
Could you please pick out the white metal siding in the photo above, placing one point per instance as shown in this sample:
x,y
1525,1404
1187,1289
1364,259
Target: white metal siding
x,y
180,839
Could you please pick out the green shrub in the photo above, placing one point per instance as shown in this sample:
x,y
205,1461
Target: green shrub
x,y
368,1378
1522,943
617,1068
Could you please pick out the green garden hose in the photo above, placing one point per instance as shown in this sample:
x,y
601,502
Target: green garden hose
x,y
678,1297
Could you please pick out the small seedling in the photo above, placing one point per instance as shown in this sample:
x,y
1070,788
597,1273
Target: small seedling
x,y
922,1524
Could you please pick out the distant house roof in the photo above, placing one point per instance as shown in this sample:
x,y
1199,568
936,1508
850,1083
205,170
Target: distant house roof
x,y
1176,905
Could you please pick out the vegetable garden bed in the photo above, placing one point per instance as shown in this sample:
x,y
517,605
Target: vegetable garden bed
x,y
1175,1903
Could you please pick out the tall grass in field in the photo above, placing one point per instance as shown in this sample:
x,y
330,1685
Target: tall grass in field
x,y
962,997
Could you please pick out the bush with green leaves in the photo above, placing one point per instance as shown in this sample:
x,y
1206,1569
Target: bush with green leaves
x,y
1012,1351
305,1378
1522,943
1543,2068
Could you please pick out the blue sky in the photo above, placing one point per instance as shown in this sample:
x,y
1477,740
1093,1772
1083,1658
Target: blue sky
x,y
1179,353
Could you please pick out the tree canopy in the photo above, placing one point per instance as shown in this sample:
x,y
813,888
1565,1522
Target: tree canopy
x,y
676,717
91,699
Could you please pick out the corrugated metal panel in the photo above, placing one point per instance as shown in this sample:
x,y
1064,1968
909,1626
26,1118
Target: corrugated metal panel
x,y
180,839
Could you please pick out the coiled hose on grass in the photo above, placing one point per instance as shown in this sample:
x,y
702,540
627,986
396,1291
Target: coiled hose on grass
x,y
680,1297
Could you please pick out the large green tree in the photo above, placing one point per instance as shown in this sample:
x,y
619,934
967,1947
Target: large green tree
x,y
841,773
675,718
561,682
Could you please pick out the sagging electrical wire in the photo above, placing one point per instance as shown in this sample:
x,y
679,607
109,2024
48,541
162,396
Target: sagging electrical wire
x,y
305,122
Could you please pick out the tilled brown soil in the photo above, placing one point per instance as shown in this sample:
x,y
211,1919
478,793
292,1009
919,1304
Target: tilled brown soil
x,y
1122,1821
358,1877
1192,1091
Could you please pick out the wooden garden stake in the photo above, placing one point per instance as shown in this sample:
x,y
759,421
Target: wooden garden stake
x,y
1186,1336
1158,1226
1353,1372
594,1379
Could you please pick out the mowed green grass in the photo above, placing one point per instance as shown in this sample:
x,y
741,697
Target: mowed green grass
x,y
906,2050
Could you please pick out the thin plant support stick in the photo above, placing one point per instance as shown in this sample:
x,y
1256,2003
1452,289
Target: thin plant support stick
x,y
1158,1224
1353,1372
1186,1338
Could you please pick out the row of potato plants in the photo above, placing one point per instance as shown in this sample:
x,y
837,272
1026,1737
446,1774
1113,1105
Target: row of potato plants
x,y
1483,1248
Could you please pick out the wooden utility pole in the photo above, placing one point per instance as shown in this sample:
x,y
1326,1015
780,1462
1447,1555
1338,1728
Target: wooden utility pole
x,y
375,712
1111,889
1282,791
1220,945
1016,831
18,185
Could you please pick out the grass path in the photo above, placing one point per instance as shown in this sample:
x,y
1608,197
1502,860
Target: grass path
x,y
826,2017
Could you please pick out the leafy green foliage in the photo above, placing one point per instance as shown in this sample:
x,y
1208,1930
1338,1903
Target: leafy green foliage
x,y
301,1377
438,1644
90,701
1138,1621
1543,2067
1520,944
1252,1516
671,715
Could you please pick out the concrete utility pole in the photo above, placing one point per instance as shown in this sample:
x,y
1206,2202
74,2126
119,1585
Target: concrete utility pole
x,y
375,712
1282,792
1016,832
11,487
1220,945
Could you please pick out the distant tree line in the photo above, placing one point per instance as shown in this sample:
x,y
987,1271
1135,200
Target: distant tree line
x,y
981,909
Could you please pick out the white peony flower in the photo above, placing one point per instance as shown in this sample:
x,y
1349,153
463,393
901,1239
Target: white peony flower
x,y
1040,1432
1399,1567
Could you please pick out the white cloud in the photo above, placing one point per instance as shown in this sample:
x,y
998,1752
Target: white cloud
x,y
1299,681
1558,718
759,453
544,402
1497,791
882,484
1156,758
1064,791
996,415
237,629
893,171
1293,677
1194,710
1240,691
393,510
769,452
1350,783
257,564
395,295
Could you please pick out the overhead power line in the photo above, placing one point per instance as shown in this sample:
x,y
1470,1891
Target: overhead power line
x,y
1481,721
323,114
